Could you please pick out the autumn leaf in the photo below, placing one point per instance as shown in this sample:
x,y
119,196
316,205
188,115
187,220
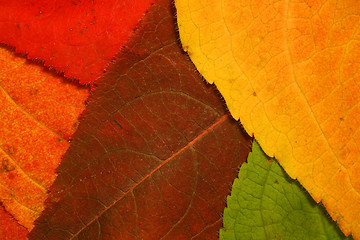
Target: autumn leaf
x,y
145,160
266,204
76,37
39,112
289,71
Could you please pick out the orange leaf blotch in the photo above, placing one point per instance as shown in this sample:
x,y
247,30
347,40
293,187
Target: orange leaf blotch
x,y
39,112
10,229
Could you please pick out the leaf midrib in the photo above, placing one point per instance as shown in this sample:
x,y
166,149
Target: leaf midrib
x,y
219,121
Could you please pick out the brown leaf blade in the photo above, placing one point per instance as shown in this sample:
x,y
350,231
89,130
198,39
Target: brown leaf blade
x,y
155,154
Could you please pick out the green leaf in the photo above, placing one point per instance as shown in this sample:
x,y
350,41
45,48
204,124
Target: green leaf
x,y
267,204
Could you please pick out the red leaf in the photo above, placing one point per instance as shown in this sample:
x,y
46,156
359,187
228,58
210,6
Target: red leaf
x,y
155,154
76,37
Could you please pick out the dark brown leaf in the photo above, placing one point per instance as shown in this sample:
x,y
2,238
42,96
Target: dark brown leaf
x,y
156,152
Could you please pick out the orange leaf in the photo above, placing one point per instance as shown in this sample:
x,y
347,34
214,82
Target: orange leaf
x,y
290,71
39,112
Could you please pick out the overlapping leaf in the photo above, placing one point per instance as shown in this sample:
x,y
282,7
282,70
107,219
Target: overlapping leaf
x,y
155,154
290,71
76,37
39,112
266,204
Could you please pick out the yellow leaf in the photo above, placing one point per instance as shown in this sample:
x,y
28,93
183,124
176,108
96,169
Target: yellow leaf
x,y
290,71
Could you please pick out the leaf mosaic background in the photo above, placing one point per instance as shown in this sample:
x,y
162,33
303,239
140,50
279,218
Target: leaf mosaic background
x,y
154,153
